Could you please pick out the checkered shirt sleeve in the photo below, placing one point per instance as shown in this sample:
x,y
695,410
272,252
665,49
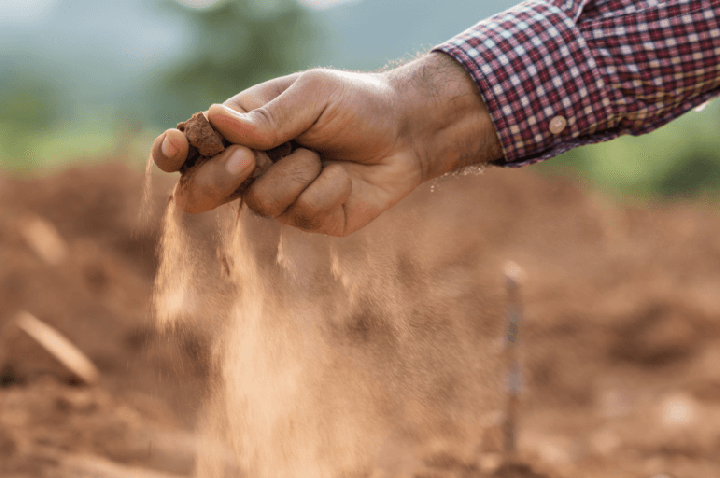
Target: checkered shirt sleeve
x,y
557,74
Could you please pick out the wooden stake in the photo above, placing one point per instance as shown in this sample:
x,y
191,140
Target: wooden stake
x,y
59,346
513,275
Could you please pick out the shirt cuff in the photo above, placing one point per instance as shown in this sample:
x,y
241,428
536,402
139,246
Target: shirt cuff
x,y
538,79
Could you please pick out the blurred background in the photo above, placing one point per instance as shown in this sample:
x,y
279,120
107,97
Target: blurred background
x,y
621,347
87,79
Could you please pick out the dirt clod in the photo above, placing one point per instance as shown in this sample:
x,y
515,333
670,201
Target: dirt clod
x,y
204,141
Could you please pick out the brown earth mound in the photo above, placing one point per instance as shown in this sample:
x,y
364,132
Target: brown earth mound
x,y
620,346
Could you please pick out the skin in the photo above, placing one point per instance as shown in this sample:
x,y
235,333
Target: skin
x,y
367,139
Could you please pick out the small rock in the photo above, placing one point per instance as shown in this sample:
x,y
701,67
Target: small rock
x,y
678,409
44,240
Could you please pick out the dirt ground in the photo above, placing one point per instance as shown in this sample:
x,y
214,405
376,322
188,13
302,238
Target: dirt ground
x,y
620,344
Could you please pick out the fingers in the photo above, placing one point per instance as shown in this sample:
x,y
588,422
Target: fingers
x,y
279,187
169,150
213,183
320,207
297,191
274,119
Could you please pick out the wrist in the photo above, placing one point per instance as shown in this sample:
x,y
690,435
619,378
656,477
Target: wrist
x,y
443,115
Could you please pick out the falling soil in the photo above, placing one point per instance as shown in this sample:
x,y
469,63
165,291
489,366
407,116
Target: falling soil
x,y
381,351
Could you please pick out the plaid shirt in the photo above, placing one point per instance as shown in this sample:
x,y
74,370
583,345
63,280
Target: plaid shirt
x,y
557,74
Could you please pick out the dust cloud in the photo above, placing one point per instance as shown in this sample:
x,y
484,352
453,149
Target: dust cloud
x,y
367,356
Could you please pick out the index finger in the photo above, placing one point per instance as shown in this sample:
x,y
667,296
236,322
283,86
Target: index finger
x,y
260,94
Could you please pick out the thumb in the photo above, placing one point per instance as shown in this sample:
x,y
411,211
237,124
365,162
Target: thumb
x,y
282,119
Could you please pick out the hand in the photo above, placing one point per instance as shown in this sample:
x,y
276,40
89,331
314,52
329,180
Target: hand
x,y
371,138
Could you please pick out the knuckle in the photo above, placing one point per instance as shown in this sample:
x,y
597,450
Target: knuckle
x,y
302,175
306,210
337,174
269,120
314,76
309,158
319,85
307,167
246,100
233,102
265,116
307,223
263,202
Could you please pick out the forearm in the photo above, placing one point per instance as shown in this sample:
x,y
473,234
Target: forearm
x,y
443,114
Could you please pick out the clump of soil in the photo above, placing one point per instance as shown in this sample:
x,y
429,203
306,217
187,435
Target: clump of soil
x,y
206,142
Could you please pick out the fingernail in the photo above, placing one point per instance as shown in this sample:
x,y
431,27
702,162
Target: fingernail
x,y
168,149
237,163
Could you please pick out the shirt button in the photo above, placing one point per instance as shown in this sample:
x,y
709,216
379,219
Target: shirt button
x,y
557,124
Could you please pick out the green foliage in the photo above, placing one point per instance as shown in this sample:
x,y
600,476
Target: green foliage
x,y
236,44
691,176
45,119
29,105
30,102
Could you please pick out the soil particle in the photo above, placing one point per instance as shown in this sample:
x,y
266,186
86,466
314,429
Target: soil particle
x,y
204,141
